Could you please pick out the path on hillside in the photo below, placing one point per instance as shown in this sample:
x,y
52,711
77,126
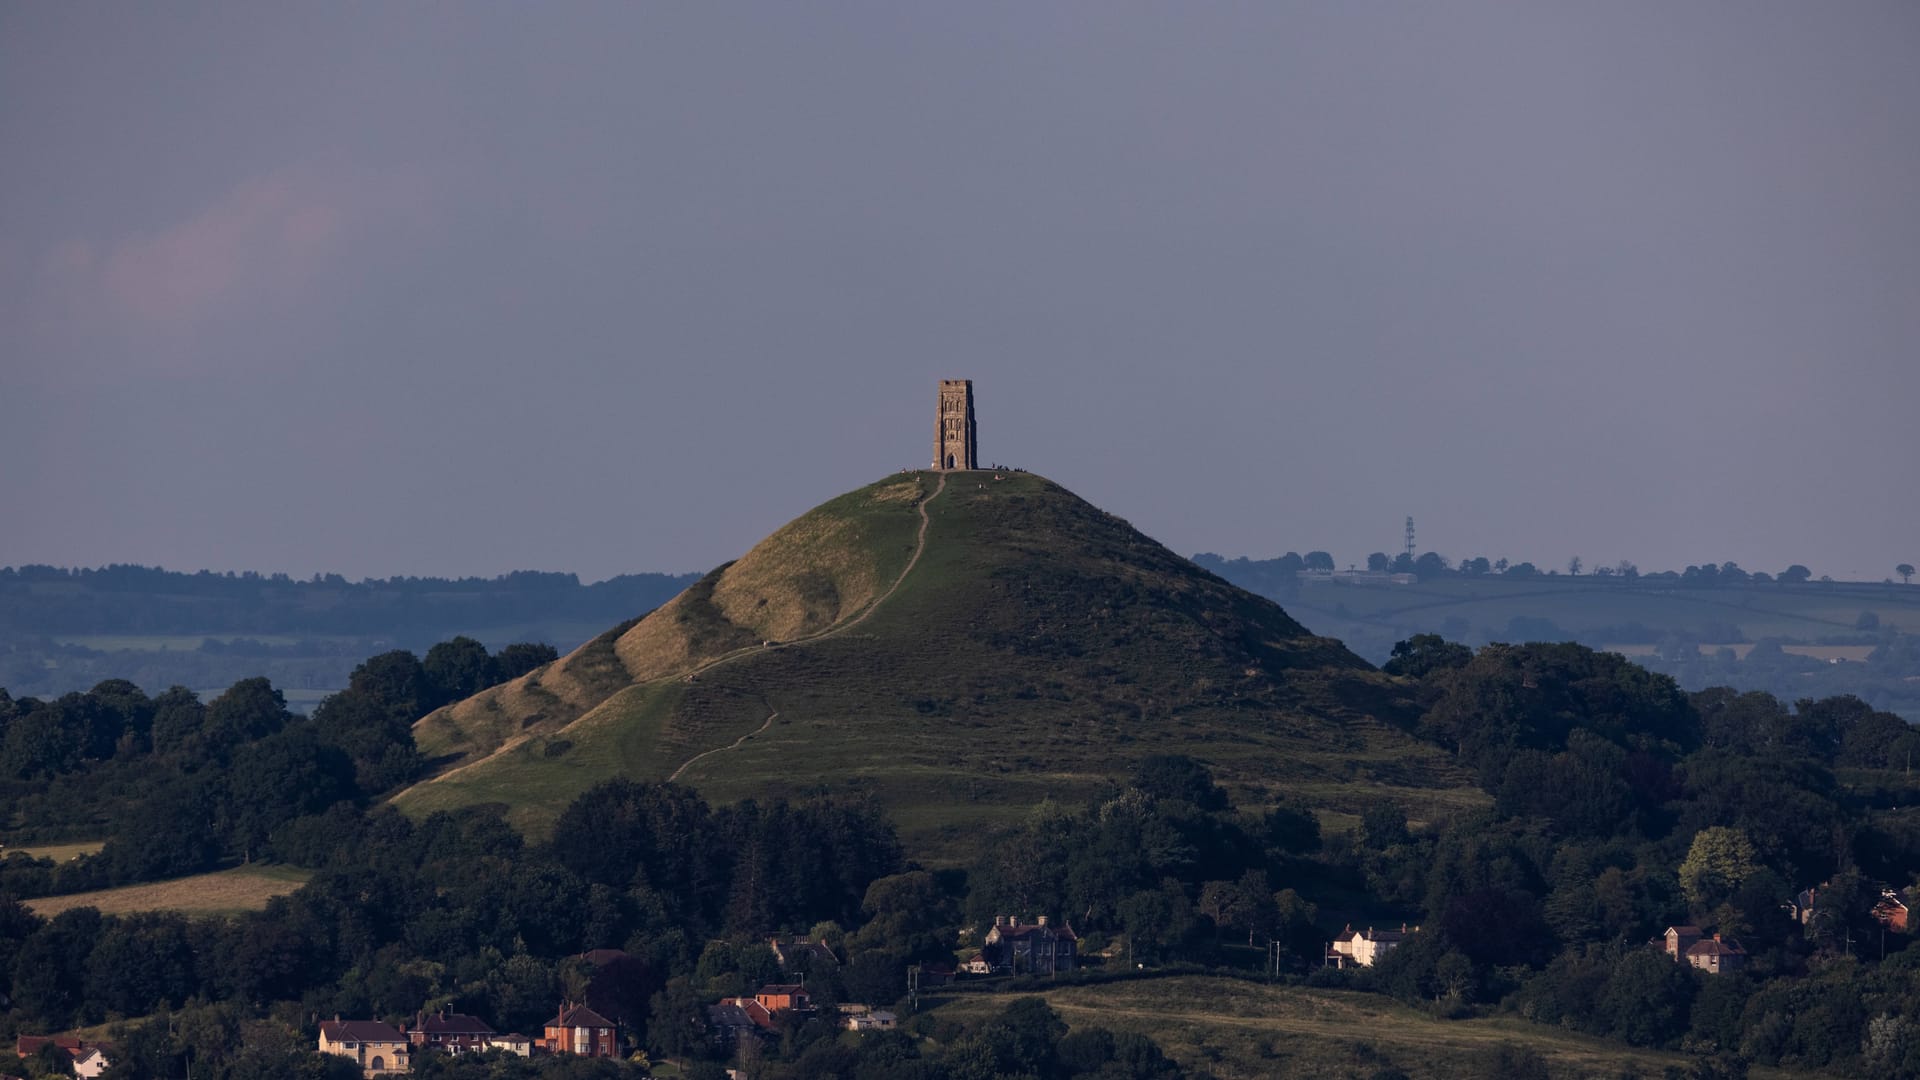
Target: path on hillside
x,y
919,547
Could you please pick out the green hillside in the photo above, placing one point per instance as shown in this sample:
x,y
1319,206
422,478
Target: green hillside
x,y
960,647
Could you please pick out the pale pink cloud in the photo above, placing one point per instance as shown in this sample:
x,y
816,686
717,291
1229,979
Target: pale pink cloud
x,y
265,242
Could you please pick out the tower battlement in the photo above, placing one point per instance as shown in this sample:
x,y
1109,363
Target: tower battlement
x,y
955,439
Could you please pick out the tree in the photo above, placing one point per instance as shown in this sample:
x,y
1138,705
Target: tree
x,y
1319,560
1795,575
1573,566
522,657
457,669
1717,862
1905,570
1423,654
1431,564
1378,562
1180,778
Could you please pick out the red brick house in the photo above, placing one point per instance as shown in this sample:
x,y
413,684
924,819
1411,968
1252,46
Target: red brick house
x,y
1891,911
781,997
581,1031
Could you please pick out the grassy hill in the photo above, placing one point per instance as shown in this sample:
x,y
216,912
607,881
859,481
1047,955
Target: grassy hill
x,y
960,648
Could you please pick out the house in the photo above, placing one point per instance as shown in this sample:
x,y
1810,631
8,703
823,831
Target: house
x,y
1891,911
1680,939
513,1043
977,964
732,1020
1715,955
579,1030
1364,948
89,1059
452,1032
936,975
784,997
1038,946
803,956
379,1049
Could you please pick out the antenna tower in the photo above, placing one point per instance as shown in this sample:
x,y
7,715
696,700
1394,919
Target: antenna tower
x,y
1409,537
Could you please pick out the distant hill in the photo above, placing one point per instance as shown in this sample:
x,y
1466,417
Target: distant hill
x,y
961,649
67,629
1833,637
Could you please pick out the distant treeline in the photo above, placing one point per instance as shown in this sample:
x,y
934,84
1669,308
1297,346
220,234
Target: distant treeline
x,y
1282,573
43,600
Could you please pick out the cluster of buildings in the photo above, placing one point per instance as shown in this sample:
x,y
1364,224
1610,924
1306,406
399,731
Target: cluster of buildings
x,y
89,1059
381,1049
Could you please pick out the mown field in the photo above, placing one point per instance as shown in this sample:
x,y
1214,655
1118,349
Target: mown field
x,y
57,852
245,888
1247,1031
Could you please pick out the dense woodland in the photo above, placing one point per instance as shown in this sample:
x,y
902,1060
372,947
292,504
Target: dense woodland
x,y
1616,805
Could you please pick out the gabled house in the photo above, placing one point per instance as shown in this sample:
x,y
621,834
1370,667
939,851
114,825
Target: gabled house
x,y
580,1031
977,964
379,1049
784,997
734,1019
867,1018
1364,948
1680,939
90,1062
1038,946
452,1033
1714,955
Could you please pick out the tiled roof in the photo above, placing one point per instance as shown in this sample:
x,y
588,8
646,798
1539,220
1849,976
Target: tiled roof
x,y
360,1031
455,1024
1712,947
782,988
580,1016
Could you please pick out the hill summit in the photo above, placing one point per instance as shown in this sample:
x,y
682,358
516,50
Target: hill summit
x,y
958,645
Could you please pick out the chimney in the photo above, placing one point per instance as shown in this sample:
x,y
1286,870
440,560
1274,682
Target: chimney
x,y
1716,937
1042,922
999,920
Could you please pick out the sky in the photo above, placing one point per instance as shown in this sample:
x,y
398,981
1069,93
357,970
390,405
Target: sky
x,y
419,289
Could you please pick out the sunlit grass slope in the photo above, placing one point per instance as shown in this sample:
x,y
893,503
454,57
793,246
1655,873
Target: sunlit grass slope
x,y
1038,648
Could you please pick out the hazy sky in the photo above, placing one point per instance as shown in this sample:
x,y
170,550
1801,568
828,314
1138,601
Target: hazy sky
x,y
398,288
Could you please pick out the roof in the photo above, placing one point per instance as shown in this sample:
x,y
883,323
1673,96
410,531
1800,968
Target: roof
x,y
360,1031
455,1024
1716,947
728,1015
1687,931
580,1016
1015,931
781,988
30,1044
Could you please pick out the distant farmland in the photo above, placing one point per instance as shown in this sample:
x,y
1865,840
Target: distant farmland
x,y
246,888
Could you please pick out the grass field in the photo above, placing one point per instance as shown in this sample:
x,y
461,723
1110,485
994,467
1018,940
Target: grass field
x,y
1246,1031
245,888
57,852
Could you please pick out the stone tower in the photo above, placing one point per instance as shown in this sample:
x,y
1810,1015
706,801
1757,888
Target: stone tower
x,y
955,443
